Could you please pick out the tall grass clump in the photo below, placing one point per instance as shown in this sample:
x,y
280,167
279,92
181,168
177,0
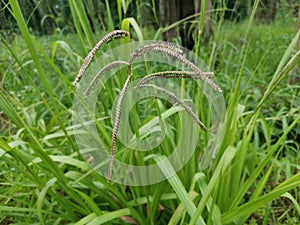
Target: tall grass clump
x,y
254,176
159,47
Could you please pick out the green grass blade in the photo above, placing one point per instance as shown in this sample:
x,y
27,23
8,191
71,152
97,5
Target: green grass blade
x,y
259,168
180,210
126,26
84,22
87,219
289,51
31,43
220,170
178,187
253,205
110,216
77,24
293,200
110,20
212,207
90,203
119,7
41,198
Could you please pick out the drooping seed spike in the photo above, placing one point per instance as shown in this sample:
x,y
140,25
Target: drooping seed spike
x,y
172,74
106,39
116,127
146,48
171,51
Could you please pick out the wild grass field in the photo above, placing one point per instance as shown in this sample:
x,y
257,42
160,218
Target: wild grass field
x,y
253,179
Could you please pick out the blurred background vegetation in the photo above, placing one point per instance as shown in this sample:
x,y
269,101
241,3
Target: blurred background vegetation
x,y
45,16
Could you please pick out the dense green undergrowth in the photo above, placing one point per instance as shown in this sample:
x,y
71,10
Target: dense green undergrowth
x,y
253,180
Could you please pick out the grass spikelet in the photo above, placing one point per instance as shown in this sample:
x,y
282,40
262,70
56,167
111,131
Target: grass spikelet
x,y
171,50
146,48
116,34
191,65
172,74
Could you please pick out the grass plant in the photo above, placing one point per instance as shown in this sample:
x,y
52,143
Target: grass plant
x,y
253,179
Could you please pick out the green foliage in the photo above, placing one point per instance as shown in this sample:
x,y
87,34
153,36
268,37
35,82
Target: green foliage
x,y
253,180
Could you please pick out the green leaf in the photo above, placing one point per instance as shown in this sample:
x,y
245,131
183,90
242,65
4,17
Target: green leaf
x,y
125,26
110,216
218,173
178,187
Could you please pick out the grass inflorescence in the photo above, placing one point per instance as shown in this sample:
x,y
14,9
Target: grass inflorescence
x,y
161,47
